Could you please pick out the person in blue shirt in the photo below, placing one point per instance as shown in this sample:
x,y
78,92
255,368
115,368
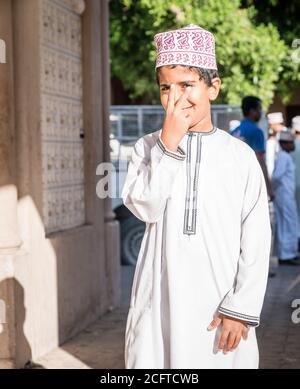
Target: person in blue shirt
x,y
249,132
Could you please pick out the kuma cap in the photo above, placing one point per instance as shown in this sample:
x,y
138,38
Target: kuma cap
x,y
191,45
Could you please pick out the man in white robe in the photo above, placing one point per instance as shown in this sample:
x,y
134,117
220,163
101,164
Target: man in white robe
x,y
202,268
295,129
283,181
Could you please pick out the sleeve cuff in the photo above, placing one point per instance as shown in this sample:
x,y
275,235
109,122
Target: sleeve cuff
x,y
251,320
179,155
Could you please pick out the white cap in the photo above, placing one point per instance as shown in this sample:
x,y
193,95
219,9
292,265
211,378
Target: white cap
x,y
275,118
296,123
233,124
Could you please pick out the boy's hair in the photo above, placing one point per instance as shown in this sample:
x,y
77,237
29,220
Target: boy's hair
x,y
204,74
250,102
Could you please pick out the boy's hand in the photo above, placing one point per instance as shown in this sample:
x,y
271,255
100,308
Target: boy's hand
x,y
177,121
232,332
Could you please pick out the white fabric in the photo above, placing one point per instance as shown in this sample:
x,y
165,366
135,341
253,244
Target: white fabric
x,y
283,183
272,149
296,158
183,277
233,124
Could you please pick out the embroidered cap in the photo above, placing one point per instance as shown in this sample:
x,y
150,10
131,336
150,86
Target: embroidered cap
x,y
296,123
275,118
190,45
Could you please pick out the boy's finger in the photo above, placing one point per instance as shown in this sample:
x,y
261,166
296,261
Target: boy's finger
x,y
236,342
230,342
171,98
223,340
214,324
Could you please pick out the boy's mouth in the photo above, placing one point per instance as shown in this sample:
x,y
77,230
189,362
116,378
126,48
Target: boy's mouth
x,y
188,107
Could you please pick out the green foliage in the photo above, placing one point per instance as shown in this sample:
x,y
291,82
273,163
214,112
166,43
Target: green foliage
x,y
250,56
284,14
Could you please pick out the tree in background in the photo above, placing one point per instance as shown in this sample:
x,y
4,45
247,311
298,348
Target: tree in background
x,y
250,56
284,14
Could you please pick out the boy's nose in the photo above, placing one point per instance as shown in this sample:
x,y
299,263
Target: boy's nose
x,y
178,93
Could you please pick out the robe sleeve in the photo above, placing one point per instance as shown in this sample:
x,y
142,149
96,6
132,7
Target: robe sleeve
x,y
148,183
244,301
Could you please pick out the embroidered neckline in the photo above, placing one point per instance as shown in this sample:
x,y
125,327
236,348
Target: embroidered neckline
x,y
213,130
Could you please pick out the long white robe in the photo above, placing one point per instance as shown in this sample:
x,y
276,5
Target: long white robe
x,y
272,148
283,183
296,158
206,249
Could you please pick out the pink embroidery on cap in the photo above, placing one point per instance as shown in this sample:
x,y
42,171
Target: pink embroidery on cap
x,y
168,40
182,40
190,45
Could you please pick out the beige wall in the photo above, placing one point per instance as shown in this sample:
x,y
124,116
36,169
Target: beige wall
x,y
53,285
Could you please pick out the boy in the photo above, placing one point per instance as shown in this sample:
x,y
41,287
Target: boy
x,y
283,179
202,269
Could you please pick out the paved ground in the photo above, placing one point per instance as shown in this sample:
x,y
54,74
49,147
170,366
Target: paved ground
x,y
101,345
278,336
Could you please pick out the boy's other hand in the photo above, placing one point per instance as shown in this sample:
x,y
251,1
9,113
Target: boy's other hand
x,y
177,122
231,332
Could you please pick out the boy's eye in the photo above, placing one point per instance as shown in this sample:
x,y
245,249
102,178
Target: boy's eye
x,y
165,88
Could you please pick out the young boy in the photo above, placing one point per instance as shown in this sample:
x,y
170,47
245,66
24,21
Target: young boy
x,y
202,269
284,184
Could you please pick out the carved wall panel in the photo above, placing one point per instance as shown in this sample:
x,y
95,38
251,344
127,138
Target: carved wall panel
x,y
62,114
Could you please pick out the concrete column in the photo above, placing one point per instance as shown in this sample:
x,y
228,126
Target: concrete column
x,y
9,235
112,233
10,240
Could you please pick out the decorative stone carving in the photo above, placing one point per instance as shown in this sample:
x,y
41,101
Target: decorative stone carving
x,y
62,114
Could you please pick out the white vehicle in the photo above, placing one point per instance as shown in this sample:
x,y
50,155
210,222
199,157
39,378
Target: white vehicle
x,y
129,123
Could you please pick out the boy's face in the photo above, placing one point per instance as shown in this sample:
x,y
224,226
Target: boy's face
x,y
197,104
277,127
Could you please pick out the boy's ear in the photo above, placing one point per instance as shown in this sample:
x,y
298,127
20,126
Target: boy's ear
x,y
214,88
